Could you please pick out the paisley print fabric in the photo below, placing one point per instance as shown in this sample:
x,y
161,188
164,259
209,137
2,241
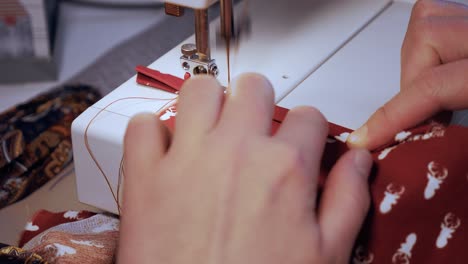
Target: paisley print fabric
x,y
35,141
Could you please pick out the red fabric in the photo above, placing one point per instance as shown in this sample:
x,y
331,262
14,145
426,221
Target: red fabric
x,y
419,190
43,220
156,79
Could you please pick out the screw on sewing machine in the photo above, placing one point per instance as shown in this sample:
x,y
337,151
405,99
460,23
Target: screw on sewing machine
x,y
189,49
214,69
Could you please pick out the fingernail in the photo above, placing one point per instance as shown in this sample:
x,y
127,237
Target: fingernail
x,y
363,162
358,137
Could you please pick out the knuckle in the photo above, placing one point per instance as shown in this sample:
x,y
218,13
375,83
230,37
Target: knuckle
x,y
199,84
291,157
424,9
289,167
383,113
423,20
387,120
428,86
422,31
282,158
419,32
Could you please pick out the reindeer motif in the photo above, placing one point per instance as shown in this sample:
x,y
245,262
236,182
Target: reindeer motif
x,y
436,176
448,227
361,256
392,194
403,254
170,112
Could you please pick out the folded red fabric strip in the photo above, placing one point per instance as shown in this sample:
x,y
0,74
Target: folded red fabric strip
x,y
156,79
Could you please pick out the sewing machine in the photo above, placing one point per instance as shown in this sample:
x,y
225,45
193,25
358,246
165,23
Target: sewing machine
x,y
341,56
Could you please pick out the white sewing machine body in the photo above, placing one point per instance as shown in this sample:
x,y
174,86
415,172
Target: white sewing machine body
x,y
342,57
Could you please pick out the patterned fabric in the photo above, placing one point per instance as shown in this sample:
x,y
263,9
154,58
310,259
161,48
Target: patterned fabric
x,y
419,190
43,220
14,255
35,140
419,194
91,240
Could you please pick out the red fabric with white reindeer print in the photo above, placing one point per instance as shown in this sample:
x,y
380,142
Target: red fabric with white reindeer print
x,y
419,190
43,220
420,193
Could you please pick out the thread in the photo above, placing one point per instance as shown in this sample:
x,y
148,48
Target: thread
x,y
121,167
119,180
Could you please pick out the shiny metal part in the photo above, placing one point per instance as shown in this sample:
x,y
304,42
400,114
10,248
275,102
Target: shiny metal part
x,y
189,49
195,66
227,19
202,34
196,58
233,26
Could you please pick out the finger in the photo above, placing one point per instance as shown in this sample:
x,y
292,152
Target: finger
x,y
145,143
435,35
444,87
250,107
199,105
306,129
345,202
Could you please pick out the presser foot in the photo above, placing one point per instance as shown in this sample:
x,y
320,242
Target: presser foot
x,y
194,64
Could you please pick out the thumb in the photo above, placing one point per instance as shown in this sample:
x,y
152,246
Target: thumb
x,y
444,87
345,202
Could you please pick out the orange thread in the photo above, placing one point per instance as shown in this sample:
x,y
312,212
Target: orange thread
x,y
121,168
119,181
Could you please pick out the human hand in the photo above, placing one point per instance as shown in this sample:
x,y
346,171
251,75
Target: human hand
x,y
434,72
226,191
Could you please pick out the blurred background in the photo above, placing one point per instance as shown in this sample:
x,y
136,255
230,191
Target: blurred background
x,y
45,43
84,48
